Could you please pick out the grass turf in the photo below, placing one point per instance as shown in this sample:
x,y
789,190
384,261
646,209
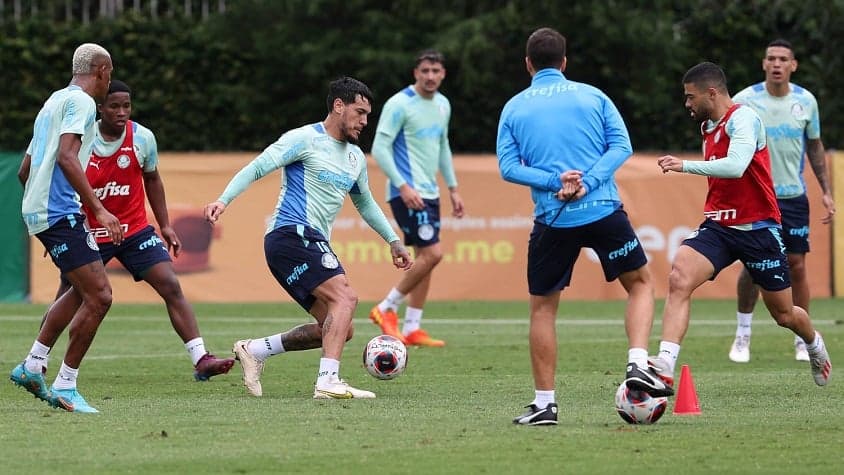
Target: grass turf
x,y
449,413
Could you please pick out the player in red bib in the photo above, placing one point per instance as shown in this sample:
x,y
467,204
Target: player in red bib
x,y
123,171
742,220
118,179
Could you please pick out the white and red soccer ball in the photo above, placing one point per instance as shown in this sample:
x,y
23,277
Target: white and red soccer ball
x,y
385,357
638,407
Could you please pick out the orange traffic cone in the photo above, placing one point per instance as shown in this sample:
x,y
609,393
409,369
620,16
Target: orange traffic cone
x,y
686,403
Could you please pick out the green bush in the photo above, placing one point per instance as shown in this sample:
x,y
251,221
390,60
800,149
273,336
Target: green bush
x,y
239,79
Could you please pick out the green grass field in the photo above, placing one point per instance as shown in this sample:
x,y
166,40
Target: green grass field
x,y
449,413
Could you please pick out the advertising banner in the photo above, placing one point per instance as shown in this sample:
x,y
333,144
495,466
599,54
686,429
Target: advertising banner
x,y
485,252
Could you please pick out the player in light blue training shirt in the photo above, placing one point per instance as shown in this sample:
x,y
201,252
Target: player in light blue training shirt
x,y
565,140
792,124
54,181
322,164
319,171
411,145
49,197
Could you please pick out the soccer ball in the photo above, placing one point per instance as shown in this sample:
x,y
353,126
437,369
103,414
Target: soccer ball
x,y
385,357
638,407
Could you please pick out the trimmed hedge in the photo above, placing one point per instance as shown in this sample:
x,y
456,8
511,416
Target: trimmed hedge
x,y
237,80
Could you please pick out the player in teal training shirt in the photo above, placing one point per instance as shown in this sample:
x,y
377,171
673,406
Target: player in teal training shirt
x,y
54,181
411,145
792,124
322,164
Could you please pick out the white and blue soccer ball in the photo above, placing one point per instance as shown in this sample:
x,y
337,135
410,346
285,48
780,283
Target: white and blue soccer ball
x,y
638,407
385,357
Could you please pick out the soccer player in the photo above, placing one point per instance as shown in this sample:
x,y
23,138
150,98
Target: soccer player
x,y
53,175
322,164
411,144
742,220
565,140
792,125
124,164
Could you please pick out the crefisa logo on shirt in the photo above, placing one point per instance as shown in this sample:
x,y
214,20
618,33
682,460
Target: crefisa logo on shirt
x,y
123,161
112,189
